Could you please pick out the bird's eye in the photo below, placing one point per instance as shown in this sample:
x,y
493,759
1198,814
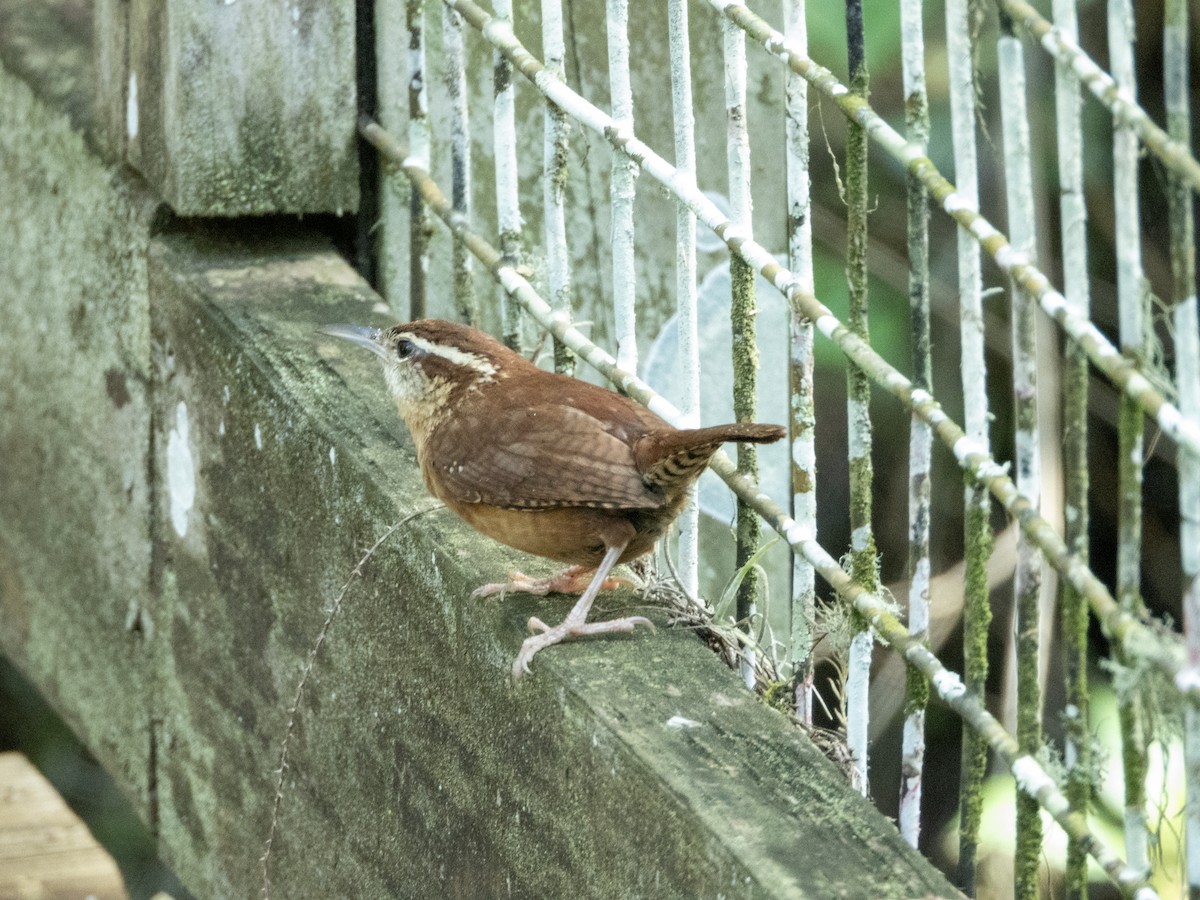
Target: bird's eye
x,y
405,348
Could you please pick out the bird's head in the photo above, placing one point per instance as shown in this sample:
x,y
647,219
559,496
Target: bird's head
x,y
430,364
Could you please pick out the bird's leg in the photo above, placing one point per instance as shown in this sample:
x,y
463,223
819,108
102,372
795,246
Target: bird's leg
x,y
571,580
575,624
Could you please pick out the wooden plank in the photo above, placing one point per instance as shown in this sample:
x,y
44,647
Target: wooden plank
x,y
236,109
76,606
110,56
46,851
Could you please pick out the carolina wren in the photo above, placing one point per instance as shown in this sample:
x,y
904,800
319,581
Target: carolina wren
x,y
542,462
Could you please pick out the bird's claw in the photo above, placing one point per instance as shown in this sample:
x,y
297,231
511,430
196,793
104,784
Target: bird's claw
x,y
486,590
548,636
572,580
518,583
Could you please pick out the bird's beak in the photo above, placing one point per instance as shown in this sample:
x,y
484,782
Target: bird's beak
x,y
367,338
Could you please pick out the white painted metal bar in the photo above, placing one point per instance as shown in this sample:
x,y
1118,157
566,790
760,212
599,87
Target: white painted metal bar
x,y
920,444
455,59
1027,582
623,188
977,531
743,309
391,91
685,274
1130,294
803,416
863,557
1073,216
1127,240
1176,82
508,201
554,176
420,145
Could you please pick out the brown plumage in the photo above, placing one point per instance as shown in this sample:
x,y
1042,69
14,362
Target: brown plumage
x,y
542,462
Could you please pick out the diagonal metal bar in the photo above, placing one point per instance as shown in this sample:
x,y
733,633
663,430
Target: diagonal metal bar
x,y
1175,155
1029,773
1163,649
1122,372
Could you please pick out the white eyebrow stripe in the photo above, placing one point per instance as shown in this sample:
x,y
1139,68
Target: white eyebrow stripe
x,y
451,354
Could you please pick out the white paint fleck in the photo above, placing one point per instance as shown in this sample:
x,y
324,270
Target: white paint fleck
x,y
131,107
983,229
1188,680
1007,258
804,455
797,533
258,436
948,685
662,407
734,233
679,723
859,434
226,395
221,428
1053,302
964,447
333,456
827,325
1028,773
181,472
860,538
955,202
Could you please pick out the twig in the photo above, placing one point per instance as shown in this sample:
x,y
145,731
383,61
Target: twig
x,y
356,572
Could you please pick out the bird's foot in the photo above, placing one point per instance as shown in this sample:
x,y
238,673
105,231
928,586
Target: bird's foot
x,y
566,630
572,580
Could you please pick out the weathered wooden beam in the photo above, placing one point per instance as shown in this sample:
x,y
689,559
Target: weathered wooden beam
x,y
231,109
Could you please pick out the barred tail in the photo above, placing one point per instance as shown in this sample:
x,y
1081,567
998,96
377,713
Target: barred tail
x,y
671,457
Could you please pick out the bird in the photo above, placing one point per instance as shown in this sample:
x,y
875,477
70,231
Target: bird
x,y
542,462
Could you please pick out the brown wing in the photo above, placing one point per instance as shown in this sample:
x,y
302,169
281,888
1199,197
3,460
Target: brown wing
x,y
539,457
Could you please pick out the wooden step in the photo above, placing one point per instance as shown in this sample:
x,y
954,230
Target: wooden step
x,y
46,852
